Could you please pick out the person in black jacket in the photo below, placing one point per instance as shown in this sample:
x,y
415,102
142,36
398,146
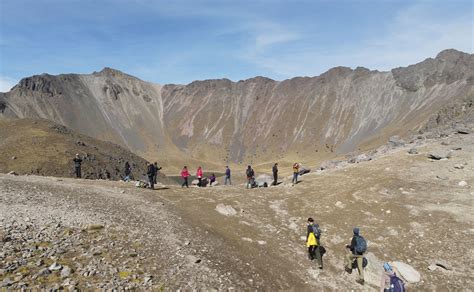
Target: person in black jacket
x,y
127,172
354,255
275,174
77,165
151,175
314,244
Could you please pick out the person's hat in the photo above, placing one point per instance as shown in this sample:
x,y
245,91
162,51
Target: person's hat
x,y
387,267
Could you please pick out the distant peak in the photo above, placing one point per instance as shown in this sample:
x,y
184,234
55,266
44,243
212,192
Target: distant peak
x,y
450,54
109,72
259,79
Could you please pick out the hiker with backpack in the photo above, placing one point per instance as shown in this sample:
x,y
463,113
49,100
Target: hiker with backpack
x,y
250,177
275,174
199,176
77,165
227,176
357,250
390,281
313,237
185,176
150,172
296,168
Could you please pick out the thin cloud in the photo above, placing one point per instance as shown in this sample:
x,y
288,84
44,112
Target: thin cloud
x,y
6,83
414,34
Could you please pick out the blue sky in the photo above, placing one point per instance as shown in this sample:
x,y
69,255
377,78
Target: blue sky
x,y
180,41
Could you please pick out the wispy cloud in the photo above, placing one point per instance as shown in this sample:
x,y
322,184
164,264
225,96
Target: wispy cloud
x,y
416,33
6,83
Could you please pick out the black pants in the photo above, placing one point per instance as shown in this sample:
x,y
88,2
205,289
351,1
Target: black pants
x,y
151,181
275,179
185,183
78,171
315,253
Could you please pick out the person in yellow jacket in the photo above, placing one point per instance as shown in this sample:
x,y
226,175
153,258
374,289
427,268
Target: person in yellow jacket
x,y
313,236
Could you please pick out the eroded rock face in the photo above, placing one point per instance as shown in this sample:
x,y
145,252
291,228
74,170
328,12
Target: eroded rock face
x,y
221,120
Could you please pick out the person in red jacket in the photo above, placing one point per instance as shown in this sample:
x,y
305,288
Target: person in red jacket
x,y
199,176
185,175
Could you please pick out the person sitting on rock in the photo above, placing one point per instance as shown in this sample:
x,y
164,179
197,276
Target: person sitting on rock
x,y
212,179
356,249
313,237
185,176
77,165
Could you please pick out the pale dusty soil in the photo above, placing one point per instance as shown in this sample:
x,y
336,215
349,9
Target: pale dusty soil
x,y
404,211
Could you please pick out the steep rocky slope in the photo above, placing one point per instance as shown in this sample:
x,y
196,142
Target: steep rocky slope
x,y
43,147
255,120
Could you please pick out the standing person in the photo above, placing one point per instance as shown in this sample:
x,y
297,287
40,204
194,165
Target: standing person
x,y
313,243
296,168
157,168
357,249
127,172
151,175
250,177
199,176
275,174
390,281
227,176
185,176
77,165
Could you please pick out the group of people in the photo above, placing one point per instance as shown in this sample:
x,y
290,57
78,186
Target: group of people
x,y
354,259
202,182
152,170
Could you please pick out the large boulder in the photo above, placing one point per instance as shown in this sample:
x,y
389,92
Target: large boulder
x,y
262,179
407,272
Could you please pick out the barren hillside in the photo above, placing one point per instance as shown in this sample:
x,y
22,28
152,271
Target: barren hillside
x,y
257,120
43,147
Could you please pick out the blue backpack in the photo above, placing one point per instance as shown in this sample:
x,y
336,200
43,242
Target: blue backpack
x,y
396,284
361,245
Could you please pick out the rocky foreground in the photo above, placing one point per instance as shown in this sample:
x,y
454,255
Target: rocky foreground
x,y
412,202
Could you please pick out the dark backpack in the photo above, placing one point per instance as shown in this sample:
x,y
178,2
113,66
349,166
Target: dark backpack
x,y
361,245
396,284
316,231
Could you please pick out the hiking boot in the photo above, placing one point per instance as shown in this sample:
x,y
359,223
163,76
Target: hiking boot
x,y
348,270
360,281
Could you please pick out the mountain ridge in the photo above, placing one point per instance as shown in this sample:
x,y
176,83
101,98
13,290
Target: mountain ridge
x,y
256,120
